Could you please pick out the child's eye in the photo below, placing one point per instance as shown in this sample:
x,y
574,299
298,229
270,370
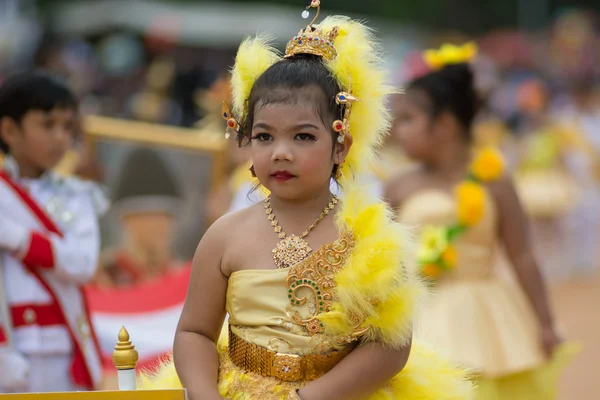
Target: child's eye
x,y
305,136
405,117
70,126
262,137
48,123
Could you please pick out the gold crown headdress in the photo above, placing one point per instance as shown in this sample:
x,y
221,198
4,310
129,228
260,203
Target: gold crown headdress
x,y
450,54
312,40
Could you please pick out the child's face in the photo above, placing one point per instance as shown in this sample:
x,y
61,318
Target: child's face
x,y
292,151
413,126
42,138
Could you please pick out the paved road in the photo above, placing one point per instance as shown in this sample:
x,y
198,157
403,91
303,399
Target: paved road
x,y
577,308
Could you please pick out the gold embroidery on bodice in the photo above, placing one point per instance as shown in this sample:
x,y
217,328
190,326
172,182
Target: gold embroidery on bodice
x,y
315,277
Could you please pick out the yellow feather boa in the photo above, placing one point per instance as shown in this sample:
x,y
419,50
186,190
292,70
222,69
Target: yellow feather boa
x,y
379,285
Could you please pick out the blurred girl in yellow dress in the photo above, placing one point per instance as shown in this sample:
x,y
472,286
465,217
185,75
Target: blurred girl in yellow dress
x,y
465,210
555,180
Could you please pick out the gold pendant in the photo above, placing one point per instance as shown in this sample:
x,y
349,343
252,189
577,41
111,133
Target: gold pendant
x,y
290,251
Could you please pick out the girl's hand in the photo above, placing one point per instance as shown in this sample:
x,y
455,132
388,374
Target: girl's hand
x,y
550,340
203,396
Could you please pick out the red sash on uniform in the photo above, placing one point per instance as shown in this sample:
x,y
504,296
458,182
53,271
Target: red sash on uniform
x,y
79,369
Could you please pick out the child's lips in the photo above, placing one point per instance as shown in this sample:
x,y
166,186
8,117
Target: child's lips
x,y
57,153
282,176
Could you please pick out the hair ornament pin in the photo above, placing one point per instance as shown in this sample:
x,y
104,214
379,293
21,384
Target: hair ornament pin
x,y
345,98
232,124
313,4
343,126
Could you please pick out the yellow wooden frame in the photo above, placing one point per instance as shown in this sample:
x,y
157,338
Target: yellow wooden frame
x,y
176,394
98,128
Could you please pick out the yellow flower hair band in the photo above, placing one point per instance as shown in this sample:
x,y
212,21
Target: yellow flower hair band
x,y
450,54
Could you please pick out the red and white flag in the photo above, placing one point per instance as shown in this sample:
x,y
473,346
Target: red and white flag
x,y
149,312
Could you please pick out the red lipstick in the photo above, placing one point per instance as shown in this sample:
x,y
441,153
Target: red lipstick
x,y
282,176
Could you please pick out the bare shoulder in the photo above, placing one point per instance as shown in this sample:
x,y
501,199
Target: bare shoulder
x,y
400,186
235,236
230,225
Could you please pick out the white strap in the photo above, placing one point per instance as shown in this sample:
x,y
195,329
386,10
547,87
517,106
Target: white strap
x,y
6,321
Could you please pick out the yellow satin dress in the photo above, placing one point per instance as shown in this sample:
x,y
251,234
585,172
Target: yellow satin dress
x,y
263,311
478,318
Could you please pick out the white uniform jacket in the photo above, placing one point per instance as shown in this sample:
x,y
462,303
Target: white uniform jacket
x,y
49,245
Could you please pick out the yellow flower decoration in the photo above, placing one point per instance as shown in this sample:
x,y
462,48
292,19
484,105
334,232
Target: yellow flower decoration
x,y
431,270
434,241
436,253
449,257
470,203
450,54
488,165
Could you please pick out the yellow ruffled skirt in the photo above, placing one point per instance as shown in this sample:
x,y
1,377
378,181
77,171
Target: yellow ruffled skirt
x,y
489,326
425,377
537,384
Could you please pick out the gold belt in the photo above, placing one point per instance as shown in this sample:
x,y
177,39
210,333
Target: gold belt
x,y
284,366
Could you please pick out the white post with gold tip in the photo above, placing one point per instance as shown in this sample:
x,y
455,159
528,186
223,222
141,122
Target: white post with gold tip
x,y
125,358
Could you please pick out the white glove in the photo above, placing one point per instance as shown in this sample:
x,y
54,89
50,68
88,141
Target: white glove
x,y
13,236
14,371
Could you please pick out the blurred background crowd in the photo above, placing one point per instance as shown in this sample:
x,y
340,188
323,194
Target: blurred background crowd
x,y
165,65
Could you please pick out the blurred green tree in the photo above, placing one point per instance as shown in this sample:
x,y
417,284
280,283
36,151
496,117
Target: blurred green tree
x,y
469,16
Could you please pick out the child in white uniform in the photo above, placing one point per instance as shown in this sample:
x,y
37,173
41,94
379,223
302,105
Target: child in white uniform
x,y
49,243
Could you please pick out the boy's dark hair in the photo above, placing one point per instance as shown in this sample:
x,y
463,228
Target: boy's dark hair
x,y
32,90
451,89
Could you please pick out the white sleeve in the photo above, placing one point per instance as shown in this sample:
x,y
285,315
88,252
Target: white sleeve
x,y
76,253
74,256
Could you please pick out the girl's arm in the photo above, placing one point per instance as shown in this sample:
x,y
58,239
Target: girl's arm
x,y
195,351
363,372
398,188
514,231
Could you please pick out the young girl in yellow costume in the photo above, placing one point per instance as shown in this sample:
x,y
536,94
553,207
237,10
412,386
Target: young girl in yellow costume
x,y
466,208
330,323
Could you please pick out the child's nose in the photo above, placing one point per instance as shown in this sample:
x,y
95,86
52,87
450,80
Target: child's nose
x,y
63,135
282,152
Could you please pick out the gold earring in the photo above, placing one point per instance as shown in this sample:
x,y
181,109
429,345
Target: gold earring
x,y
338,126
232,124
338,171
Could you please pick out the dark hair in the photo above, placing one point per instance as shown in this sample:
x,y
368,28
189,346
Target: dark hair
x,y
33,90
451,89
293,80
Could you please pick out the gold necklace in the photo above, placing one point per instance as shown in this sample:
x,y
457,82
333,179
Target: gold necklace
x,y
292,249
